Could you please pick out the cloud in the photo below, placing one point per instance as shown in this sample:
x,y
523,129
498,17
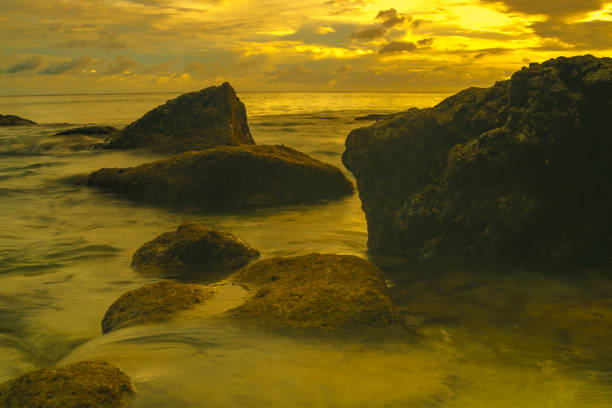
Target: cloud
x,y
595,34
398,46
29,64
370,33
67,66
405,46
120,65
425,42
104,41
551,7
390,18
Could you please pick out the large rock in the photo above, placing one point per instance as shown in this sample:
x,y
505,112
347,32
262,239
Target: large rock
x,y
519,169
222,177
320,291
86,384
155,302
88,130
198,120
194,252
11,120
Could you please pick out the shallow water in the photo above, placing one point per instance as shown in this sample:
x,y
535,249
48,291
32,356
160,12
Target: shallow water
x,y
486,335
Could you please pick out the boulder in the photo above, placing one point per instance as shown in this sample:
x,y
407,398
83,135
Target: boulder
x,y
228,176
194,252
198,120
11,120
89,384
521,169
155,302
316,291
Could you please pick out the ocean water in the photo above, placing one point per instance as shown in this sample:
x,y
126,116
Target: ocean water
x,y
479,335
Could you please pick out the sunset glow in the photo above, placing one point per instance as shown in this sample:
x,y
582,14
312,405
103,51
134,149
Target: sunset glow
x,y
269,45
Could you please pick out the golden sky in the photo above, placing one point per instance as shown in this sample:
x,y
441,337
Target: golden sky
x,y
64,46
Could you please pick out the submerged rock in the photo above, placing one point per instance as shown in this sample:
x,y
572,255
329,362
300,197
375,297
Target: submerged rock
x,y
194,252
88,130
519,169
155,302
198,120
11,120
77,139
84,384
222,177
320,291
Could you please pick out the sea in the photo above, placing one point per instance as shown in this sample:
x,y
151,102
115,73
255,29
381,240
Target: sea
x,y
477,334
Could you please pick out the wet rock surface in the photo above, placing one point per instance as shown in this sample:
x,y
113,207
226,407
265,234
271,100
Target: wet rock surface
x,y
153,303
316,291
88,384
195,253
12,120
198,120
229,177
518,169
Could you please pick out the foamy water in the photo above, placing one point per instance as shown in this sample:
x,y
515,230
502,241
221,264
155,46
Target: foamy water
x,y
480,335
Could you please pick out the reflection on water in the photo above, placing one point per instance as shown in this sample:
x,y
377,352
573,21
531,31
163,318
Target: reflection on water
x,y
476,336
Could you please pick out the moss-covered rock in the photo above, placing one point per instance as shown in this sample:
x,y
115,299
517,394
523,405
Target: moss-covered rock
x,y
86,384
12,120
194,252
518,169
198,120
227,176
155,302
320,291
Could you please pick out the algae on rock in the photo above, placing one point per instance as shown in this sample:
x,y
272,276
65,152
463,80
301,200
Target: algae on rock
x,y
316,290
90,384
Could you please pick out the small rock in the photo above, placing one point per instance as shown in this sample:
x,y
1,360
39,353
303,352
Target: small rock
x,y
320,291
194,252
155,302
11,120
88,384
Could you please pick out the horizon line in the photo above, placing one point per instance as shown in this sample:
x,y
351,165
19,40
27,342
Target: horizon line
x,y
243,92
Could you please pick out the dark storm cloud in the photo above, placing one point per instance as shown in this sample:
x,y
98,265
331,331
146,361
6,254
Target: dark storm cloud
x,y
67,66
29,64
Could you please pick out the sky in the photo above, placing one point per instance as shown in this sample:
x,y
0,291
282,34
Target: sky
x,y
107,46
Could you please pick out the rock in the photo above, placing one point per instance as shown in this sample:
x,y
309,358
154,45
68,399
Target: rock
x,y
88,130
77,139
198,120
194,252
320,291
227,176
521,169
84,384
11,120
373,116
155,302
